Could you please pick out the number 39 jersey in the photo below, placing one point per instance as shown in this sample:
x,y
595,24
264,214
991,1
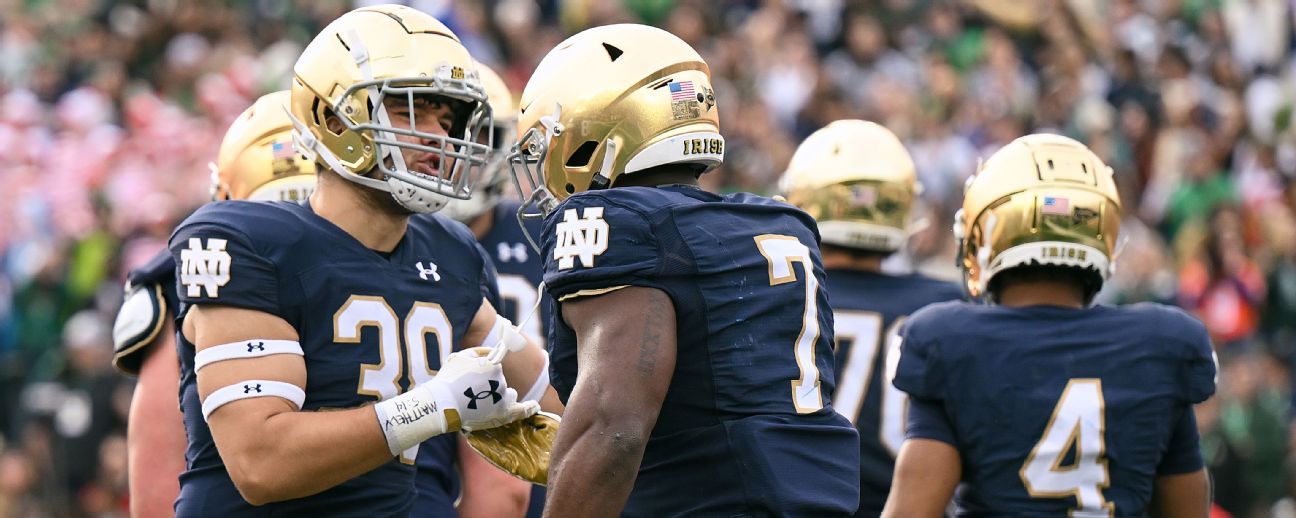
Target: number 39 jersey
x,y
1056,410
370,325
868,309
746,425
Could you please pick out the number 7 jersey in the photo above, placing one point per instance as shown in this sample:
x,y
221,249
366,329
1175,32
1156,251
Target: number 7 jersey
x,y
747,426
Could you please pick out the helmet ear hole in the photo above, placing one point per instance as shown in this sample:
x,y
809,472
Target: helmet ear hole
x,y
571,189
332,123
582,155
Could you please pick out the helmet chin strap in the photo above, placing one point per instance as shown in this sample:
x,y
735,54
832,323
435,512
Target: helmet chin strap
x,y
1116,253
603,178
983,253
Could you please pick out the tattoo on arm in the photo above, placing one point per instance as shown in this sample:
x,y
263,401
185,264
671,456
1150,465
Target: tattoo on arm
x,y
652,335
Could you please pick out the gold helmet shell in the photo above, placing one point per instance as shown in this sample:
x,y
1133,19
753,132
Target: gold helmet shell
x,y
859,183
489,189
1042,199
257,160
359,60
609,101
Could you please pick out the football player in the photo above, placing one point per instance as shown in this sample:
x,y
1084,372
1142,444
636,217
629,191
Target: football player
x,y
296,318
858,181
692,340
493,221
256,162
1039,402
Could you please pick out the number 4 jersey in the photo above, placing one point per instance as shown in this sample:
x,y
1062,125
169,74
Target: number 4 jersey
x,y
370,325
746,428
1056,410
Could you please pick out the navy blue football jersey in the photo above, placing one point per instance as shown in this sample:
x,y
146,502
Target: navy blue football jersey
x,y
868,309
158,276
1057,409
747,427
370,325
520,272
519,268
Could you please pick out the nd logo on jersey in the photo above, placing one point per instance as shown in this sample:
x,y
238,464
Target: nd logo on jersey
x,y
209,269
583,238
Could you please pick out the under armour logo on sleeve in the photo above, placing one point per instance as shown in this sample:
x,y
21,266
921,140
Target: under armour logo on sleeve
x,y
493,393
259,346
248,389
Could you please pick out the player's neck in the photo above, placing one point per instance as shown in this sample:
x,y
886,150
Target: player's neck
x,y
482,224
663,175
1041,293
838,260
346,207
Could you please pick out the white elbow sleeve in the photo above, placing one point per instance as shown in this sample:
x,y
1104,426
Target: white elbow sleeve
x,y
504,332
538,388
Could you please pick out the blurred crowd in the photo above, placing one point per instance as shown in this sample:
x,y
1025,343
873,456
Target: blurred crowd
x,y
110,112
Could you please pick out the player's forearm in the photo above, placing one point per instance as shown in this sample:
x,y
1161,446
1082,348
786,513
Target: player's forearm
x,y
155,435
523,369
595,474
297,454
489,492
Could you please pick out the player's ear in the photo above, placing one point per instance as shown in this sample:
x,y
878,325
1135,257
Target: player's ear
x,y
333,123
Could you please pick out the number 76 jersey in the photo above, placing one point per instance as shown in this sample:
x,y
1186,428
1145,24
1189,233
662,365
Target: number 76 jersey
x,y
868,310
746,427
1058,410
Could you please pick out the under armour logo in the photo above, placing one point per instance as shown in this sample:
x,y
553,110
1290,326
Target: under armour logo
x,y
259,346
512,252
493,393
425,272
583,238
248,389
204,269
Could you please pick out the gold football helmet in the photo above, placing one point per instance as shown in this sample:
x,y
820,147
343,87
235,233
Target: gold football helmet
x,y
609,101
489,189
257,160
857,180
359,60
1041,200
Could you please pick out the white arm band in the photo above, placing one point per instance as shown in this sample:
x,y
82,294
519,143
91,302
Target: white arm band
x,y
250,389
505,332
415,416
245,349
537,389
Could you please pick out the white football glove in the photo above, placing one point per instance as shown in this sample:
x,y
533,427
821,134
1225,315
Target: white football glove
x,y
469,393
479,391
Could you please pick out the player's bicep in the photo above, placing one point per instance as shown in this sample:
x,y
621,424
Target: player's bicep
x,y
625,339
1182,495
248,363
926,474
